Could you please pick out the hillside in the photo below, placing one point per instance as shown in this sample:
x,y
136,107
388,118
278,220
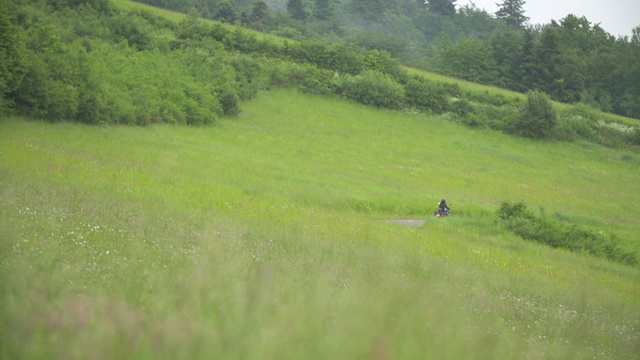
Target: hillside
x,y
262,237
260,230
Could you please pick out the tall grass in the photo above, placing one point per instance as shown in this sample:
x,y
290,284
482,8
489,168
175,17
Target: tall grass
x,y
262,237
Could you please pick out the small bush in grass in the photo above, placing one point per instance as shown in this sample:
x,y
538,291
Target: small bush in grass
x,y
424,95
462,108
374,88
312,80
634,136
538,119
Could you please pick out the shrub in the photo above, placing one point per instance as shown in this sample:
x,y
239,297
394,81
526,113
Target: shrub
x,y
229,101
522,222
634,136
312,80
486,97
571,128
538,119
424,95
462,108
374,88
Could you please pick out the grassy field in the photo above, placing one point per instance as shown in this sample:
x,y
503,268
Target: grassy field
x,y
263,237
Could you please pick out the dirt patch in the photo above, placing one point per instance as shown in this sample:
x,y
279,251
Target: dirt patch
x,y
409,223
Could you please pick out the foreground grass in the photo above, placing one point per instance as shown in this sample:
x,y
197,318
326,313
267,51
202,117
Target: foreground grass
x,y
261,237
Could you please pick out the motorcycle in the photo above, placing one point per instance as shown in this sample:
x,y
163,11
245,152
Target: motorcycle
x,y
440,212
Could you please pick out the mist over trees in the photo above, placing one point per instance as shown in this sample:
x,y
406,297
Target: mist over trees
x,y
570,59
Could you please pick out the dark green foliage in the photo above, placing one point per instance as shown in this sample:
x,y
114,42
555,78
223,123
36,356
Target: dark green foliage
x,y
132,28
500,118
538,119
259,15
227,12
395,45
100,5
338,57
442,7
522,222
13,55
489,98
467,59
425,95
296,10
370,10
634,136
312,80
463,109
323,10
374,88
192,27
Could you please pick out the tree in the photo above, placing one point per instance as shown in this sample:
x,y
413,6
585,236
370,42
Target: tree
x,y
296,10
512,13
442,7
322,11
371,10
469,59
13,56
259,12
227,12
547,54
506,46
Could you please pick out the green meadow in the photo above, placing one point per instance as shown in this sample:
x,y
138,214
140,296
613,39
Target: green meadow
x,y
263,236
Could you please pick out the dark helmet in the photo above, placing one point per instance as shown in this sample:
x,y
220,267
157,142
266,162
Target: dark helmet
x,y
443,200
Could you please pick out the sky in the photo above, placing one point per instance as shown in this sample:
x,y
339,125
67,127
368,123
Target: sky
x,y
616,17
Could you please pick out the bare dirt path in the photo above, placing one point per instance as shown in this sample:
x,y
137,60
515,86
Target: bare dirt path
x,y
410,223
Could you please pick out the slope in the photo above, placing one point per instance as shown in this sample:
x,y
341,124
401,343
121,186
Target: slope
x,y
261,237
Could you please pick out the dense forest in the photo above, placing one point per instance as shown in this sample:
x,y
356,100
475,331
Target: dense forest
x,y
571,60
89,61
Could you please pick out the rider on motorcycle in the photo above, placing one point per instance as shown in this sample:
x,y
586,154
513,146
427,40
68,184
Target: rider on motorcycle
x,y
443,208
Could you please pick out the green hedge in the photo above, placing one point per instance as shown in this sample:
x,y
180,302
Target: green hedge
x,y
516,218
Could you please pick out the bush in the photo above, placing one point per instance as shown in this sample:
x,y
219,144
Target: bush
x,y
486,97
462,108
312,80
634,136
424,95
522,222
538,119
374,88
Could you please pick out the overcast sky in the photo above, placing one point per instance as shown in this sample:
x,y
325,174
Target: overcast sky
x,y
616,17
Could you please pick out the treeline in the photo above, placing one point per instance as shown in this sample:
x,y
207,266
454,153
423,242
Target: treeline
x,y
572,60
79,60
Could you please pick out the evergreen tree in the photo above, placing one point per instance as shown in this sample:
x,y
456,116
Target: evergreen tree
x,y
547,54
442,7
296,10
526,70
506,46
512,13
259,12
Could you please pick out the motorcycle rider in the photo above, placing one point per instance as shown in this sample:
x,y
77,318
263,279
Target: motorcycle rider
x,y
444,209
